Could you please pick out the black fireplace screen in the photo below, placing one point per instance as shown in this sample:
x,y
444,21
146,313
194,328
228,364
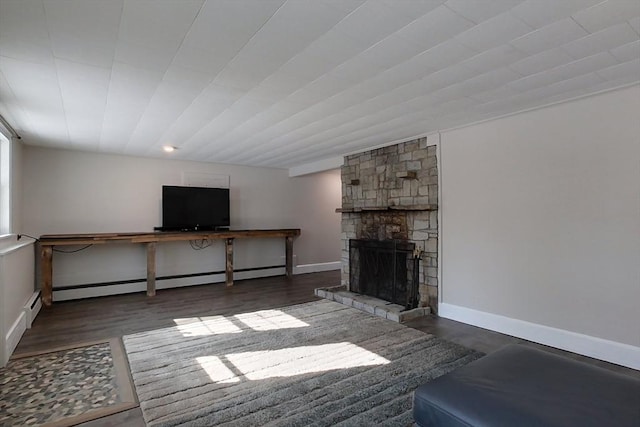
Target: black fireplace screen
x,y
384,269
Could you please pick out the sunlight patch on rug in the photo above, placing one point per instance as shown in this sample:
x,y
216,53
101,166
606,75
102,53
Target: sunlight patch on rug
x,y
270,320
288,362
217,370
202,326
264,320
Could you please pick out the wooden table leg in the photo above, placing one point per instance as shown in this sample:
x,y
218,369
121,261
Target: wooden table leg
x,y
289,256
46,271
151,269
229,266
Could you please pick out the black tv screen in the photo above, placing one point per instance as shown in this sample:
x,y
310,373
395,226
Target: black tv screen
x,y
194,208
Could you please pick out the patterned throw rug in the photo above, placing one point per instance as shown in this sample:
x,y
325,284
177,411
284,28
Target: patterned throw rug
x,y
319,363
66,386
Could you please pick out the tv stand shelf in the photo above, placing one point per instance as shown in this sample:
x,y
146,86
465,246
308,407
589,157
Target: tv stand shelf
x,y
151,239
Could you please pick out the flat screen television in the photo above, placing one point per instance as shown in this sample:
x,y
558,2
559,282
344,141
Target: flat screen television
x,y
194,208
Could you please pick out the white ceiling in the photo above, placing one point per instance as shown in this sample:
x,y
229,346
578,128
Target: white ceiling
x,y
282,83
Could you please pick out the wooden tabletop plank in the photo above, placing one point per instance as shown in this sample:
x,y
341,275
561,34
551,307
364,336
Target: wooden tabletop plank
x,y
160,236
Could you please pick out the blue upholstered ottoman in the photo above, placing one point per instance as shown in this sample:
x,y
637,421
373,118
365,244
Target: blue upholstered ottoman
x,y
520,386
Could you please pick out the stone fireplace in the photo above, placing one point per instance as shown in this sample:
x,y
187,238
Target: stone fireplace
x,y
390,196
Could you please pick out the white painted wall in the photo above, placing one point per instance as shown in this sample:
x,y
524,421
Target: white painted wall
x,y
77,192
316,198
541,218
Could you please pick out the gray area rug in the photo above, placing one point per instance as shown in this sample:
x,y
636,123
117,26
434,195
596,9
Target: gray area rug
x,y
318,363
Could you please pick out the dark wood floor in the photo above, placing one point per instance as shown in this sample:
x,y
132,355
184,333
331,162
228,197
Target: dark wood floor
x,y
114,316
71,322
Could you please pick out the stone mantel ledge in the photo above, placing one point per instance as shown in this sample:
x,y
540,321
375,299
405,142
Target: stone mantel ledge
x,y
431,207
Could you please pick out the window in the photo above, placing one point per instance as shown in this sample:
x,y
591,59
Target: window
x,y
5,188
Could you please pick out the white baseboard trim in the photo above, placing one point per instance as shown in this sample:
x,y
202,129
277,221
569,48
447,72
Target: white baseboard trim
x,y
14,334
315,268
598,348
99,291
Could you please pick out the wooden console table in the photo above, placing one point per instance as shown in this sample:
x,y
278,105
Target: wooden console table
x,y
47,242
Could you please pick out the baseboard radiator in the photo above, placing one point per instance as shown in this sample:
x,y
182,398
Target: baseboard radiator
x,y
32,308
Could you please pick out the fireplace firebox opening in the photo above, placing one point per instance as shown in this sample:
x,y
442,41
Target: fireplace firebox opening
x,y
384,269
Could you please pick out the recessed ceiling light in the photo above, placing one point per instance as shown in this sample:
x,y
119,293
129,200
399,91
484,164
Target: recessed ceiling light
x,y
169,148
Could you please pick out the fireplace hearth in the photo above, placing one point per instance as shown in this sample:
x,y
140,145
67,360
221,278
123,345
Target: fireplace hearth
x,y
385,269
